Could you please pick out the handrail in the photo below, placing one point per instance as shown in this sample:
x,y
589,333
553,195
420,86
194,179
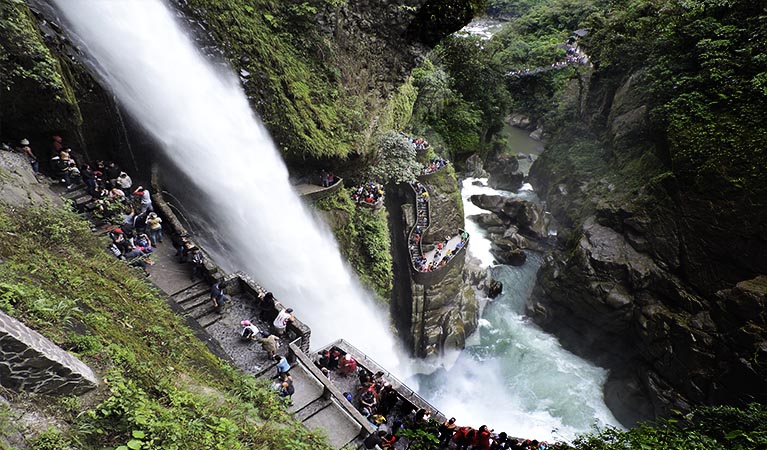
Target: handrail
x,y
401,388
330,389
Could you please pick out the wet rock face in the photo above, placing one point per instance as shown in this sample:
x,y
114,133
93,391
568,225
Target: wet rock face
x,y
444,314
669,346
30,362
527,216
504,172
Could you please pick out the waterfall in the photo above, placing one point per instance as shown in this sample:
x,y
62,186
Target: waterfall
x,y
201,118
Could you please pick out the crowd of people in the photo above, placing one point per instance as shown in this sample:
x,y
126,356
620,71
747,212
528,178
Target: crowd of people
x,y
573,56
370,193
443,252
418,143
422,222
434,165
327,179
389,413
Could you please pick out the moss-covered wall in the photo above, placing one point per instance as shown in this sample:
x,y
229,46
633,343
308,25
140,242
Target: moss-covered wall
x,y
35,97
363,235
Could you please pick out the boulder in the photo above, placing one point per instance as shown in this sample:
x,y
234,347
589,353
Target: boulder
x,y
474,167
503,172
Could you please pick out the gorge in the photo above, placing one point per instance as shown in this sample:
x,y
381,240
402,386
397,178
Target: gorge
x,y
654,273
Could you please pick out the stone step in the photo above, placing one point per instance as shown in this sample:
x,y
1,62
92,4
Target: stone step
x,y
73,194
191,291
194,302
312,408
200,310
209,320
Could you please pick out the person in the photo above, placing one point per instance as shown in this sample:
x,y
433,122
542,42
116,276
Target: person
x,y
283,366
463,437
198,263
501,442
388,441
249,331
217,296
27,150
123,181
146,200
89,178
269,343
482,439
111,173
267,306
368,400
282,320
347,365
154,222
287,390
56,145
374,439
446,431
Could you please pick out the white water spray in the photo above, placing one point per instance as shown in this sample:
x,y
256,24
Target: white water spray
x,y
205,125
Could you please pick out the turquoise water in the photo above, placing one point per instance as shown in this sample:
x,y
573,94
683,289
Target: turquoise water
x,y
516,378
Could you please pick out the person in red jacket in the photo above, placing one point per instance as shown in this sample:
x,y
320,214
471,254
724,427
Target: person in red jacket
x,y
482,439
464,437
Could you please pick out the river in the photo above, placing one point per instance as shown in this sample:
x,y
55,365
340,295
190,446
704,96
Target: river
x,y
514,376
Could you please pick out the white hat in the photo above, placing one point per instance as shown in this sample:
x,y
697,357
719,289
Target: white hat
x,y
24,142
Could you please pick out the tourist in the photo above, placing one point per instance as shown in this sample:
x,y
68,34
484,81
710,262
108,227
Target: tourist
x,y
269,342
374,439
198,263
368,401
347,365
217,296
146,200
123,181
501,442
249,331
283,319
111,173
143,243
287,390
154,222
27,150
482,438
283,366
268,307
446,431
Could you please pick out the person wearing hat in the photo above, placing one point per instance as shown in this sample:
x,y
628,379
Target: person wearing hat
x,y
153,221
249,331
27,150
282,320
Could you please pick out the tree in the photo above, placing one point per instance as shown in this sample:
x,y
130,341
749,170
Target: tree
x,y
396,159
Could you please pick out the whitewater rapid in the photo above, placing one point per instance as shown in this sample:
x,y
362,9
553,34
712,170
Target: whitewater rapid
x,y
516,378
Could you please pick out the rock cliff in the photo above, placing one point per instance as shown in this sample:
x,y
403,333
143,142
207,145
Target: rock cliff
x,y
657,279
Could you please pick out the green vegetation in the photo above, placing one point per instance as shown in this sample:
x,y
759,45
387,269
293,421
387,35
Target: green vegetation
x,y
363,236
705,73
298,91
36,92
707,428
162,388
396,160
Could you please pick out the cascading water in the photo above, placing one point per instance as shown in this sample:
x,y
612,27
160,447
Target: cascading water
x,y
204,123
517,378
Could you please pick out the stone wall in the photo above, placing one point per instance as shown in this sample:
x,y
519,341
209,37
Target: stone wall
x,y
30,362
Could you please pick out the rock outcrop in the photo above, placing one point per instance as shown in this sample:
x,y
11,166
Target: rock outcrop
x,y
660,281
31,362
